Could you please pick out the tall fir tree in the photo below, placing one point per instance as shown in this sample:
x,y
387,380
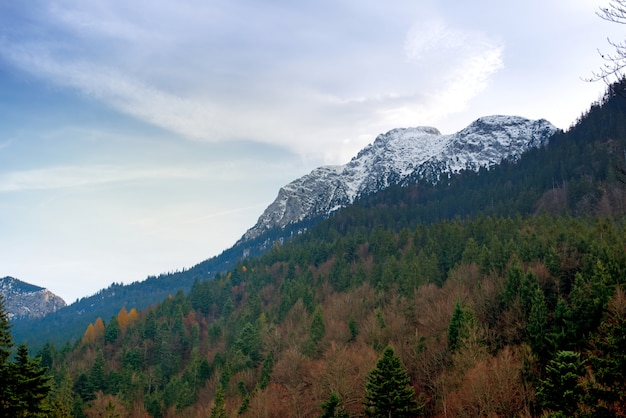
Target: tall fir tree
x,y
389,393
31,384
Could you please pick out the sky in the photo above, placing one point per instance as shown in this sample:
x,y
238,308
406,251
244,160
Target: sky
x,y
143,137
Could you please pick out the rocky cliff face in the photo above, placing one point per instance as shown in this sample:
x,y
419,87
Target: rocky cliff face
x,y
22,299
401,156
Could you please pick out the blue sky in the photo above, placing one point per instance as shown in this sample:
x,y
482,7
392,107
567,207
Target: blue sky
x,y
143,137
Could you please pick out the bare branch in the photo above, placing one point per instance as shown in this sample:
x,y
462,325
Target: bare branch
x,y
614,63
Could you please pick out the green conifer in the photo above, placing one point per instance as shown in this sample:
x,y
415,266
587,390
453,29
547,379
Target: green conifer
x,y
389,393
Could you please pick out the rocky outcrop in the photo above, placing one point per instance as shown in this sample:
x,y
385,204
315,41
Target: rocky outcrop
x,y
24,300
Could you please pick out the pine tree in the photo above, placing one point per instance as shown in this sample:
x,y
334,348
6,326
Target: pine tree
x,y
31,383
389,393
219,409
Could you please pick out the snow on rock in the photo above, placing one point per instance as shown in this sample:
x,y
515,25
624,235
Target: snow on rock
x,y
399,156
22,299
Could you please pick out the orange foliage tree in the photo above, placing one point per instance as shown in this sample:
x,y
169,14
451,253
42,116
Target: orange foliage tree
x,y
94,331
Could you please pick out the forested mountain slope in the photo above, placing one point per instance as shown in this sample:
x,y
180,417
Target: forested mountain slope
x,y
501,293
401,156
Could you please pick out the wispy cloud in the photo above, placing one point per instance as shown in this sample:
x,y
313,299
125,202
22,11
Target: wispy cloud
x,y
316,95
465,60
83,176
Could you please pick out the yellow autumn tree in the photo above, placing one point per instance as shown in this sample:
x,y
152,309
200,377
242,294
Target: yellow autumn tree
x,y
122,318
94,331
133,316
98,328
89,335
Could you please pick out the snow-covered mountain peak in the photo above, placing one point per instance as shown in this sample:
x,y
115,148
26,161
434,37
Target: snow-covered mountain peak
x,y
399,156
399,138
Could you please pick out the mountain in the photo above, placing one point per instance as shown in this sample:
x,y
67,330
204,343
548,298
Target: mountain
x,y
402,156
24,300
399,157
519,276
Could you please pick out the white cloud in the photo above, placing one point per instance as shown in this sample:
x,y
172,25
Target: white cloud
x,y
264,86
426,40
82,176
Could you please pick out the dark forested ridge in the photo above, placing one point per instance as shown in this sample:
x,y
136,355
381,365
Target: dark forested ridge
x,y
497,293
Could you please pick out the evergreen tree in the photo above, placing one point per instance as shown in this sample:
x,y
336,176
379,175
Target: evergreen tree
x,y
249,342
560,391
219,409
31,383
112,331
24,385
317,331
607,358
457,330
514,279
538,322
97,374
331,409
389,393
266,371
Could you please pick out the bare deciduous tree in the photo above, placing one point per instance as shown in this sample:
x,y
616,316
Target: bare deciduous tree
x,y
615,62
